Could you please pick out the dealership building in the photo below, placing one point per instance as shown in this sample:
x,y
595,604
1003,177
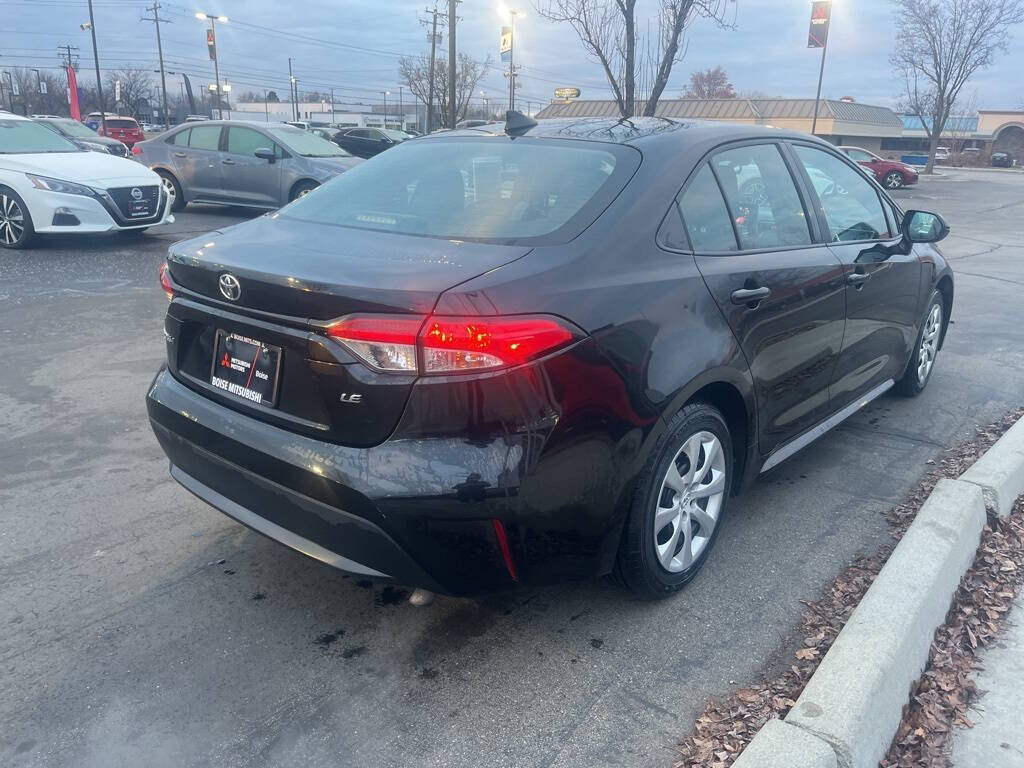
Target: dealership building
x,y
878,129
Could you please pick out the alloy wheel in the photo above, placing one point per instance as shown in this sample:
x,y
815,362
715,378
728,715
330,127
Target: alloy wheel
x,y
691,497
929,343
12,220
168,185
894,180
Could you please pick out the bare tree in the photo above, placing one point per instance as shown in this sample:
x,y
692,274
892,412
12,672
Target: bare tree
x,y
30,99
710,84
940,44
136,85
414,72
608,31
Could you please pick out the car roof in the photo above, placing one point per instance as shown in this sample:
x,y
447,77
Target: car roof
x,y
634,130
5,115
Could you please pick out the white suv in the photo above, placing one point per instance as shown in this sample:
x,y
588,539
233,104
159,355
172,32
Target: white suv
x,y
48,184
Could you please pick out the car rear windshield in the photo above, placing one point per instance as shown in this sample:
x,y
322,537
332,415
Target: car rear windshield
x,y
18,137
125,124
490,189
305,143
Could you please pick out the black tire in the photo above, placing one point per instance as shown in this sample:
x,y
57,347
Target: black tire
x,y
637,566
302,188
13,206
894,180
178,203
911,383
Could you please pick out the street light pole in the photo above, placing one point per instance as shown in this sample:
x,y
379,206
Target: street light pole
x,y
385,108
333,119
511,60
96,61
292,90
216,65
821,72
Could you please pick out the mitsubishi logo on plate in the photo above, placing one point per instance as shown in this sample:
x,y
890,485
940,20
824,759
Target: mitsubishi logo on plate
x,y
230,287
136,193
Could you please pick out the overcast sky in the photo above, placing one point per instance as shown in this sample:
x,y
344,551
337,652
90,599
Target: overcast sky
x,y
354,46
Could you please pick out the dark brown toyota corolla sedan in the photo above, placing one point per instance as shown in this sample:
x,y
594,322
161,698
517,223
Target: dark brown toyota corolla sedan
x,y
528,353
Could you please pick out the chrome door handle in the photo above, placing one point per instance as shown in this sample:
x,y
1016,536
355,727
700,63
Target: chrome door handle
x,y
228,162
180,154
858,278
750,295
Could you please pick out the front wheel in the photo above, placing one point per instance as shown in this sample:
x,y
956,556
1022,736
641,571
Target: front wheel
x,y
16,230
894,180
679,505
302,189
919,369
173,190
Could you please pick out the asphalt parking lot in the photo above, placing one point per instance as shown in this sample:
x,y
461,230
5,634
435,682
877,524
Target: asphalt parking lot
x,y
141,627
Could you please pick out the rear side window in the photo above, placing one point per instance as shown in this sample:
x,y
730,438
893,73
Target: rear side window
x,y
851,205
705,215
205,137
180,139
762,197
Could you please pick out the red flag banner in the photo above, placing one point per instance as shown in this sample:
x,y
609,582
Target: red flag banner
x,y
76,112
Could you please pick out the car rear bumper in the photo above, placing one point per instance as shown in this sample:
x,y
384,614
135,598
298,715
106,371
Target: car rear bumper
x,y
421,513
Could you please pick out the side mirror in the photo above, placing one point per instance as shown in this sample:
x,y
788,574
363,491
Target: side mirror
x,y
924,227
265,154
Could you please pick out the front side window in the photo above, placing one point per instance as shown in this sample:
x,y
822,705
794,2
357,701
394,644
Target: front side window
x,y
762,197
205,137
705,215
245,141
305,143
475,189
851,205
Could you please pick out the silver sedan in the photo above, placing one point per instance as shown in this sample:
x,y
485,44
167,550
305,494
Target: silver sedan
x,y
259,165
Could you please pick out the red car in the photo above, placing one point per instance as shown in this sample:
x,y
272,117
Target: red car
x,y
891,174
125,129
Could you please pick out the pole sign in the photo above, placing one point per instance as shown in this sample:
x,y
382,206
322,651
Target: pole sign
x,y
506,44
567,93
15,88
211,45
117,91
818,32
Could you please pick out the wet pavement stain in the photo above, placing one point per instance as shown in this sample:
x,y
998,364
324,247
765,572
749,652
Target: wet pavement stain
x,y
259,596
351,652
327,638
596,642
391,596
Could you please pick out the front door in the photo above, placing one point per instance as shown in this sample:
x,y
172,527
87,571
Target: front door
x,y
247,179
883,277
781,293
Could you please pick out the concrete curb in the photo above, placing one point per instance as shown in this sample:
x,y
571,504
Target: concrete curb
x,y
1000,472
853,704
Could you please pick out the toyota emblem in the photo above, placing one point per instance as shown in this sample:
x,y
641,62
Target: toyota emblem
x,y
230,287
136,193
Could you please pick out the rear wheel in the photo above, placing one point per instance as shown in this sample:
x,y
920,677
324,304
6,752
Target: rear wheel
x,y
919,368
680,502
16,230
894,180
302,189
173,190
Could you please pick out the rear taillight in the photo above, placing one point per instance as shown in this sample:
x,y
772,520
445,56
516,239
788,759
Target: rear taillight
x,y
444,344
136,149
165,281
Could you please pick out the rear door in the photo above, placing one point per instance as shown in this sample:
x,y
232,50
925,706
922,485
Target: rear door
x,y
780,291
247,179
199,164
882,277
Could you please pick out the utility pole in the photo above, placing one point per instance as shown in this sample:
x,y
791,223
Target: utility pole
x,y
266,109
401,111
292,90
10,92
452,118
433,55
96,61
333,119
157,21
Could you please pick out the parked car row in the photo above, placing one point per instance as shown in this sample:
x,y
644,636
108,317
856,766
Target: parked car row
x,y
50,183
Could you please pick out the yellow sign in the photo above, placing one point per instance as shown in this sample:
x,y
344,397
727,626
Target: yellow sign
x,y
567,93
